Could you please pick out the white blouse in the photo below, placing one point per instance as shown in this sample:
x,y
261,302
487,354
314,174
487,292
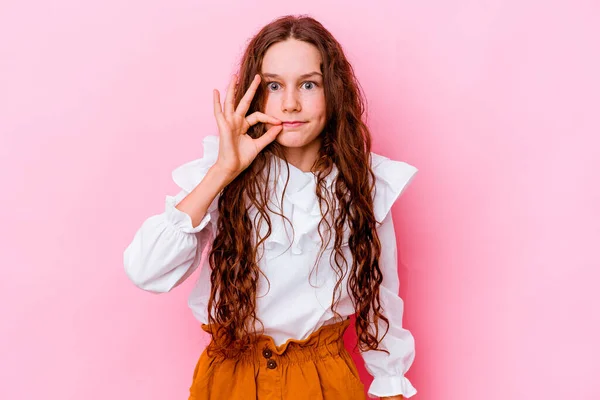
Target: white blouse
x,y
167,249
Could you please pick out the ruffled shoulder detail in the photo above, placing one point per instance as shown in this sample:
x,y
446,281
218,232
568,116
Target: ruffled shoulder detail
x,y
391,178
190,174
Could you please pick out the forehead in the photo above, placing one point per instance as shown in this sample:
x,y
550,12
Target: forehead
x,y
291,58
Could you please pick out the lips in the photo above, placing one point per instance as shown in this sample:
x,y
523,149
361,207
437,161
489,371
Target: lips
x,y
293,124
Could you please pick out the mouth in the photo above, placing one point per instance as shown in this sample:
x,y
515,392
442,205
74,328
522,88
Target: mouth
x,y
293,124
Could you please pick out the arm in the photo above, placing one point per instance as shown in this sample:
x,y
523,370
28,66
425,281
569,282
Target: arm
x,y
389,370
202,196
167,248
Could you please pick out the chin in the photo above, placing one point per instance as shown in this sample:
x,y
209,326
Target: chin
x,y
294,139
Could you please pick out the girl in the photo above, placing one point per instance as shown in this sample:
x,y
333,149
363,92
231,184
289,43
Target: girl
x,y
294,211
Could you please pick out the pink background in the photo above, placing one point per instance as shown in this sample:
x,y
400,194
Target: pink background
x,y
496,102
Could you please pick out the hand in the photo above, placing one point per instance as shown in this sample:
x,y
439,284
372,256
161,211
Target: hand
x,y
237,149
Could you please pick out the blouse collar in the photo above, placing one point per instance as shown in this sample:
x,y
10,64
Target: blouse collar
x,y
301,188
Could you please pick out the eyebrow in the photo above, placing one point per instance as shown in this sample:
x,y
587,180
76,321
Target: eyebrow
x,y
303,76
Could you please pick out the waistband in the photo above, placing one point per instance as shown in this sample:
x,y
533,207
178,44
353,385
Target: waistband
x,y
326,341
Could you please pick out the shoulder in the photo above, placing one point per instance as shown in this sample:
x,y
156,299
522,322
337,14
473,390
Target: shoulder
x,y
391,179
187,176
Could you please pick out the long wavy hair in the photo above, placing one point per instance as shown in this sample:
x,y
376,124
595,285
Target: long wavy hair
x,y
348,203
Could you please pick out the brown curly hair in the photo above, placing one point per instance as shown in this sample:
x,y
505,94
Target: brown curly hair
x,y
346,142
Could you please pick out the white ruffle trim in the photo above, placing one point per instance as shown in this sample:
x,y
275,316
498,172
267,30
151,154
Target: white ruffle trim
x,y
190,174
391,386
391,179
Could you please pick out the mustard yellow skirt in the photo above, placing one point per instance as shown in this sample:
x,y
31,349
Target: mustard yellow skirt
x,y
317,368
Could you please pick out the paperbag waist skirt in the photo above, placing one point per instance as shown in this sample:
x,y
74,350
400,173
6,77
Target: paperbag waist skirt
x,y
316,368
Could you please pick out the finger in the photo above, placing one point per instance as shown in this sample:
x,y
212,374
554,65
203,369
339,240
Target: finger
x,y
221,123
217,102
248,96
257,117
268,137
230,94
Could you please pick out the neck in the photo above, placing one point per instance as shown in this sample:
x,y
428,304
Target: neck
x,y
305,157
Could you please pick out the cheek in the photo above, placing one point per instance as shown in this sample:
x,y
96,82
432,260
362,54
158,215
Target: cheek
x,y
315,105
269,106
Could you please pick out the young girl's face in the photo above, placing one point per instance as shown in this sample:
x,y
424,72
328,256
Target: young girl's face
x,y
294,91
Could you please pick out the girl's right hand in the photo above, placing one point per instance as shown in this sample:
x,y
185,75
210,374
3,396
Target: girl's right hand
x,y
237,149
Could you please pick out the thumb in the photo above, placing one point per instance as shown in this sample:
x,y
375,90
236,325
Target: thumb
x,y
268,136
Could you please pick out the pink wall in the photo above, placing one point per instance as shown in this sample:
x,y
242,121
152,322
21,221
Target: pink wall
x,y
496,102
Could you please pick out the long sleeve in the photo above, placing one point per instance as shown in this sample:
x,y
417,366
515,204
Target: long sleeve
x,y
389,371
166,249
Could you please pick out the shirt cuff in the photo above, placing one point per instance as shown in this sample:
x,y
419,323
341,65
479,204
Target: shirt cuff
x,y
180,220
391,385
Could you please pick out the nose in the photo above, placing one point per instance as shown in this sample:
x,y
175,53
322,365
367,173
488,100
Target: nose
x,y
290,101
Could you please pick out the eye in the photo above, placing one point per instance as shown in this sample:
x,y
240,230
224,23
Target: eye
x,y
273,86
270,85
314,84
